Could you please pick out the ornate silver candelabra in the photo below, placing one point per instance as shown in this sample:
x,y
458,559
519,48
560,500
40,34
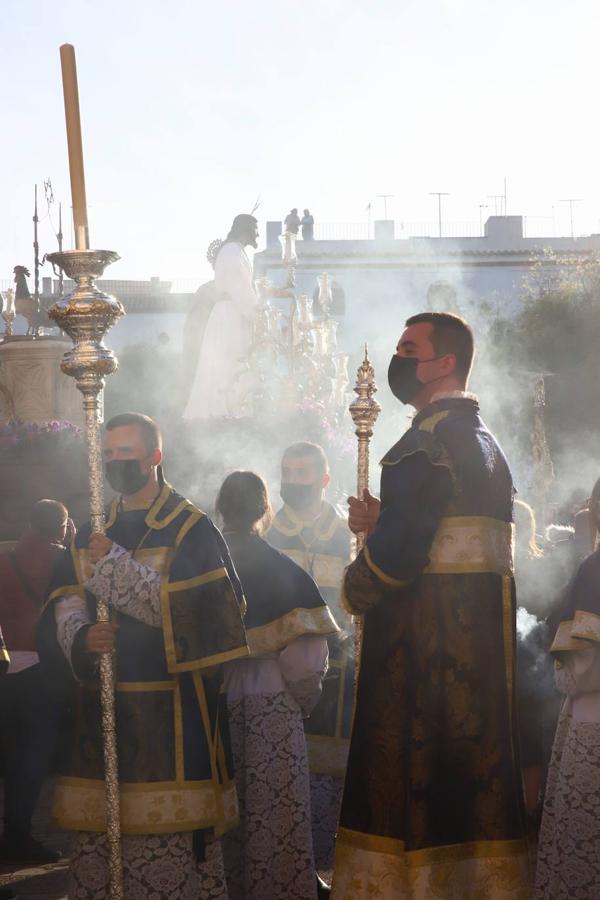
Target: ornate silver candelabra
x,y
364,411
86,315
293,355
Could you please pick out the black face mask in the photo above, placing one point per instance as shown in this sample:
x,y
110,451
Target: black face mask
x,y
299,496
125,476
402,377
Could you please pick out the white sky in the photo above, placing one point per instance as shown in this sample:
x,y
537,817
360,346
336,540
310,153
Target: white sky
x,y
190,109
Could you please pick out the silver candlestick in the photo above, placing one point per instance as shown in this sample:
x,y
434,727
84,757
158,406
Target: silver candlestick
x,y
86,315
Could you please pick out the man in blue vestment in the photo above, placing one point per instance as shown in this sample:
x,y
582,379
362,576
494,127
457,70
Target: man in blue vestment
x,y
175,601
433,806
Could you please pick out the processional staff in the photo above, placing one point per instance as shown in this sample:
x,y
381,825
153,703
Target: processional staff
x,y
86,315
364,411
36,256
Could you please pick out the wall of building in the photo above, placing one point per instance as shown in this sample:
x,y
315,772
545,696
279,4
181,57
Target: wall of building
x,y
386,279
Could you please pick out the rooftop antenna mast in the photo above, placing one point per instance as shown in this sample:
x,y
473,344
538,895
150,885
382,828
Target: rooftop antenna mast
x,y
439,195
482,206
495,198
48,191
59,238
385,198
571,201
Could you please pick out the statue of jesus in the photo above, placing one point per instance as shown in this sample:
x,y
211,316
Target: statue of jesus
x,y
218,386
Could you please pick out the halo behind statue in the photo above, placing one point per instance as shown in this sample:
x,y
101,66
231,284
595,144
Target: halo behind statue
x,y
213,251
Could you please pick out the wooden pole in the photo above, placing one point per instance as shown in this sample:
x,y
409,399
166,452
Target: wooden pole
x,y
74,142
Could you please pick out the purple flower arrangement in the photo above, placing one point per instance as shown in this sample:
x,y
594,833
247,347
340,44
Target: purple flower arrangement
x,y
18,437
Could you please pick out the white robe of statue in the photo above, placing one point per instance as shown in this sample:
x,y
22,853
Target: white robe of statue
x,y
219,385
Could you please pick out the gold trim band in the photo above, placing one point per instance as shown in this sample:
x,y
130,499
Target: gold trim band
x,y
146,809
275,635
368,866
323,528
140,687
586,626
189,583
431,855
387,579
215,660
471,544
428,424
67,590
576,634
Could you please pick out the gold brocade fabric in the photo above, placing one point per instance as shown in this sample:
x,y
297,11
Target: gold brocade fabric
x,y
575,633
155,794
439,768
326,570
271,638
368,867
471,544
79,805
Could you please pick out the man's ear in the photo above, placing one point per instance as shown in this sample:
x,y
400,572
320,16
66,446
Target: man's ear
x,y
156,457
326,480
449,363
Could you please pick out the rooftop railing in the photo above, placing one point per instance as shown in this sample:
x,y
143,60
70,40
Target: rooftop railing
x,y
533,226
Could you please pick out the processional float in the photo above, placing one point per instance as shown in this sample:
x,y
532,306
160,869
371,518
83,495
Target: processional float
x,y
86,315
293,354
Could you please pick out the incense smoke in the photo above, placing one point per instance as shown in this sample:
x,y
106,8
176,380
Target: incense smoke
x,y
199,455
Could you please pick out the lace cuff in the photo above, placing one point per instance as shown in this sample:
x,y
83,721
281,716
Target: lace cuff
x,y
127,586
70,615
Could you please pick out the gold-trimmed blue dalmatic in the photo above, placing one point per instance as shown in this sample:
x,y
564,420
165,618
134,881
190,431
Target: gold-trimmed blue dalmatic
x,y
172,737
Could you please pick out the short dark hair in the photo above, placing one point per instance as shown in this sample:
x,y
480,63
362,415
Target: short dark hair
x,y
243,502
150,431
450,334
47,517
307,448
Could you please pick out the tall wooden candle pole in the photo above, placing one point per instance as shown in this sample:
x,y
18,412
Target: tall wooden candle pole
x,y
86,315
364,411
75,146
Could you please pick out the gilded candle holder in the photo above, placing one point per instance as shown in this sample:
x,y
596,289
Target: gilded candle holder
x,y
86,315
364,411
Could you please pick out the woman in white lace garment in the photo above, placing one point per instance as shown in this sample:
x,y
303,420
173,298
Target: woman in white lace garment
x,y
569,849
270,855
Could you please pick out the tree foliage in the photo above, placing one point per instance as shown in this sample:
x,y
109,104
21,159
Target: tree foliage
x,y
557,334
